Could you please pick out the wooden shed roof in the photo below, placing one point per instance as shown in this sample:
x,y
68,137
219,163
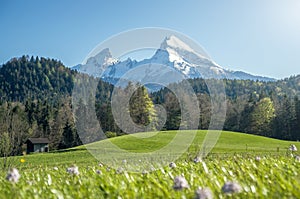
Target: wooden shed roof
x,y
38,140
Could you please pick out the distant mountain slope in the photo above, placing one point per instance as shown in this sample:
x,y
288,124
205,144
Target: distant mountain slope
x,y
25,77
246,76
40,78
172,53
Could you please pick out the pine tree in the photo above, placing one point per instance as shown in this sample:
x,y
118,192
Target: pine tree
x,y
296,131
68,136
284,119
173,112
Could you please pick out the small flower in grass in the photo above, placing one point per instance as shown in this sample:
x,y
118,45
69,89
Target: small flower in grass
x,y
73,170
257,158
293,148
13,175
99,172
231,187
172,165
152,168
297,158
180,183
124,161
203,193
144,172
197,159
120,170
29,182
100,164
22,160
55,168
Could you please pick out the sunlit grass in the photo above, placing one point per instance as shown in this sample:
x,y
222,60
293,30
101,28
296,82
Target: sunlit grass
x,y
268,178
275,174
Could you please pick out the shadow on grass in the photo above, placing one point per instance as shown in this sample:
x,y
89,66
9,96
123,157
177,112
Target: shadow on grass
x,y
68,150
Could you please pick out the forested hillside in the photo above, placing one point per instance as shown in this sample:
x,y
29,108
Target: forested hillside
x,y
269,109
34,78
35,101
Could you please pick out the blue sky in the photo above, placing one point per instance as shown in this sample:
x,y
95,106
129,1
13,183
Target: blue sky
x,y
257,36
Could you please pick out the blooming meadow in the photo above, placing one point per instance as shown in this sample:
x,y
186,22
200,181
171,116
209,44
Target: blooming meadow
x,y
238,176
258,170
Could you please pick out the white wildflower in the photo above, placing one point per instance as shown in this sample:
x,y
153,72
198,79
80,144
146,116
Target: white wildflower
x,y
297,158
144,172
55,168
293,148
73,170
257,158
231,187
100,164
172,165
180,183
197,160
119,170
49,180
13,175
152,168
29,182
203,193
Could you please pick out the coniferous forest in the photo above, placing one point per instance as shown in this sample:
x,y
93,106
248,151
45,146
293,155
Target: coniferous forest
x,y
36,101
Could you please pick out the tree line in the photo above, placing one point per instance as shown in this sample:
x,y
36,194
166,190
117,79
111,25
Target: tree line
x,y
270,109
36,101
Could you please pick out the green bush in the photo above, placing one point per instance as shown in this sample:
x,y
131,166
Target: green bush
x,y
110,134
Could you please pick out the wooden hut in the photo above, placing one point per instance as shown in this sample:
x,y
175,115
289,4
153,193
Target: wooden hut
x,y
37,145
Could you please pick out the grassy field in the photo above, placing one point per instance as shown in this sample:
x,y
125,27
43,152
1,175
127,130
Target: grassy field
x,y
228,143
274,175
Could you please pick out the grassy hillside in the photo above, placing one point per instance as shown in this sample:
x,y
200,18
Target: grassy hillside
x,y
229,142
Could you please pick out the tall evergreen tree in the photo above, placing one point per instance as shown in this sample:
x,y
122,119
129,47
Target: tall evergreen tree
x,y
296,131
67,137
285,119
172,107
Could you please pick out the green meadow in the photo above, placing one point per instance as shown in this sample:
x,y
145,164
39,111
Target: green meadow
x,y
275,174
228,143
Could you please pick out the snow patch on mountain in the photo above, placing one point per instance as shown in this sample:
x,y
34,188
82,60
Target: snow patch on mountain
x,y
173,53
97,64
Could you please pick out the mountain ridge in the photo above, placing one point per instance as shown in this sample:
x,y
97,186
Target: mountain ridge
x,y
173,53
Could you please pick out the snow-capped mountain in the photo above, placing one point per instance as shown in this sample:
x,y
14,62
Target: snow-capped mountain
x,y
97,64
173,53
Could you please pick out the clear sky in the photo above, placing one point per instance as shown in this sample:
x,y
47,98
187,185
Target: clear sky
x,y
257,36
